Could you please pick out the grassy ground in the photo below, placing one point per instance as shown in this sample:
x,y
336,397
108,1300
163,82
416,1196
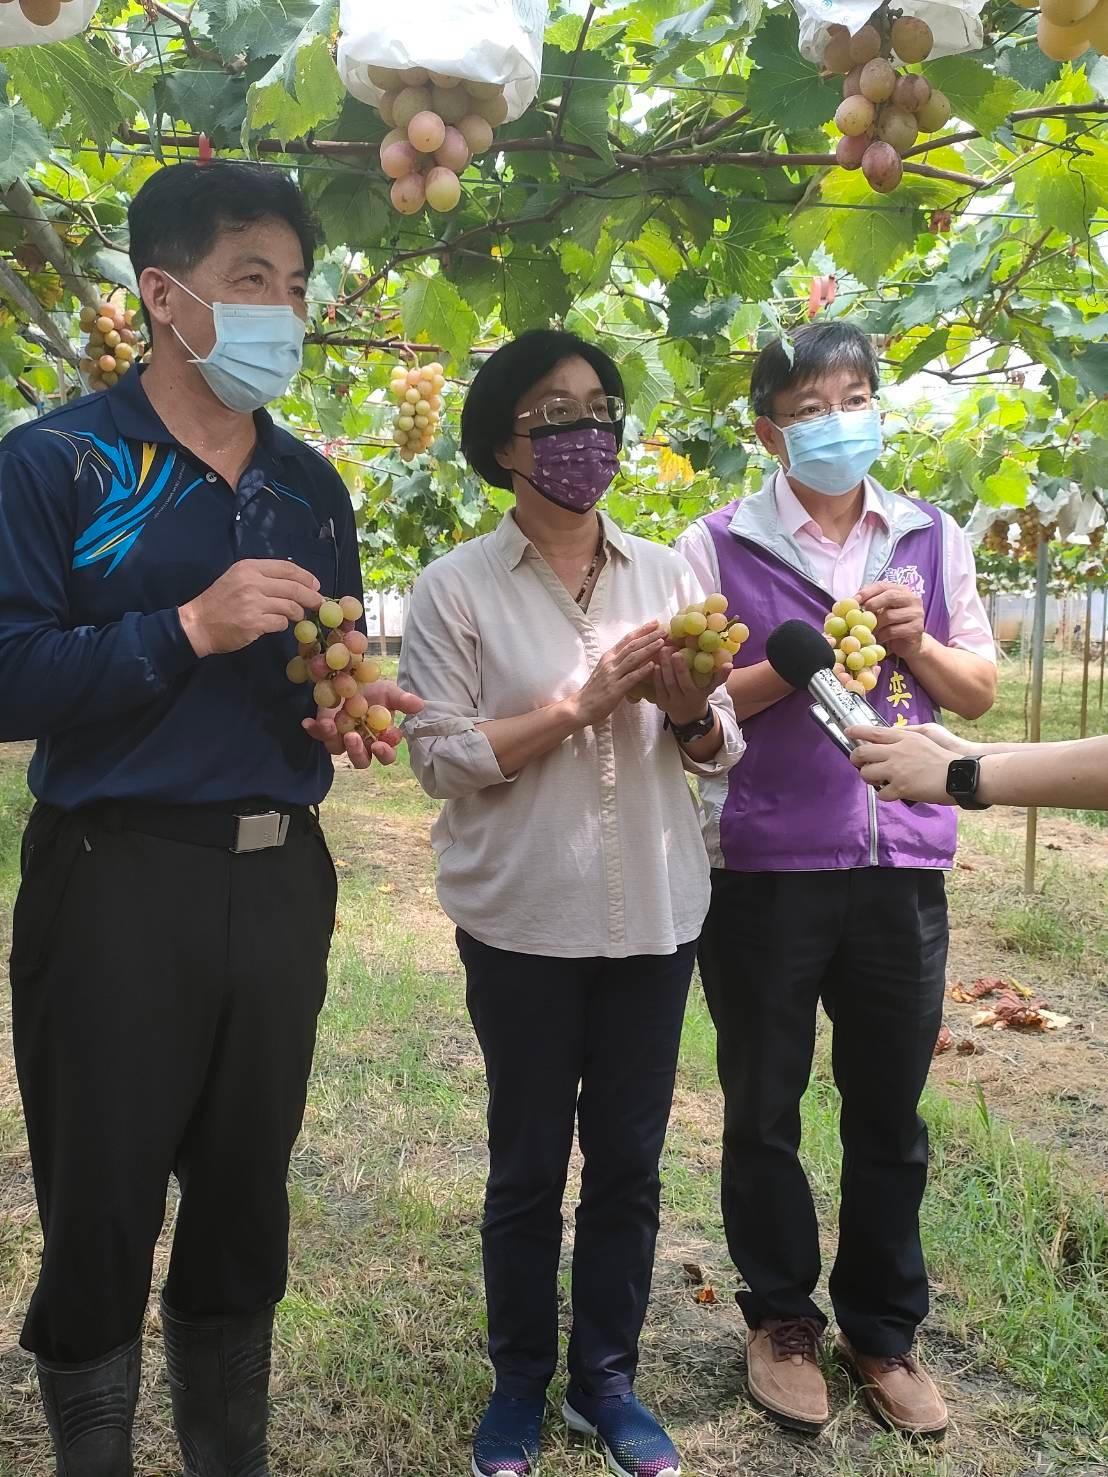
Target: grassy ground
x,y
380,1365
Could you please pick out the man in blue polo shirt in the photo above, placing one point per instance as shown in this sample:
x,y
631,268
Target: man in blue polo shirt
x,y
170,937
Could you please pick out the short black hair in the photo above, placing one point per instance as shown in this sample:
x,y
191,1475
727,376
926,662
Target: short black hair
x,y
818,349
179,212
489,412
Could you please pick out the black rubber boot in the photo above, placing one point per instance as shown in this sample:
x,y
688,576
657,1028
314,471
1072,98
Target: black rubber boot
x,y
219,1377
90,1409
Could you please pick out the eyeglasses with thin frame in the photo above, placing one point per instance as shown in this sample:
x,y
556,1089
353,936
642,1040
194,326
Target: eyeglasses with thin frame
x,y
818,409
563,410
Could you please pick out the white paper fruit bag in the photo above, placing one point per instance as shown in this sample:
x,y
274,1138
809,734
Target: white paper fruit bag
x,y
30,22
492,41
955,24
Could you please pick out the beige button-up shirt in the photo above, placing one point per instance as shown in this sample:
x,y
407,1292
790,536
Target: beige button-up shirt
x,y
594,849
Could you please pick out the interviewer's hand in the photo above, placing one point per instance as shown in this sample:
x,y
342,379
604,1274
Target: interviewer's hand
x,y
254,598
903,763
383,749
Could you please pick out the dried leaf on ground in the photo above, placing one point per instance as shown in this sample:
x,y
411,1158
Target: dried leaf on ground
x,y
705,1295
944,1042
693,1273
968,1047
1015,1012
986,985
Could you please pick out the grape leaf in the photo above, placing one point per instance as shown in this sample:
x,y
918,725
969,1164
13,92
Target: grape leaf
x,y
746,257
211,102
532,292
1064,190
434,312
82,79
725,383
784,88
646,380
299,91
1028,66
586,114
350,205
977,95
1067,322
255,28
691,315
921,356
22,143
1087,363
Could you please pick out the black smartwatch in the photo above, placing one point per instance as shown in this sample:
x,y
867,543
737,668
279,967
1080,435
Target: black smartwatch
x,y
688,733
962,778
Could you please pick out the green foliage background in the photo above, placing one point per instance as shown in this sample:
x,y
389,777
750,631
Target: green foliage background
x,y
669,194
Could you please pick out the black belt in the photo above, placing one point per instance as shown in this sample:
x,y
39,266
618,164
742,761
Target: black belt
x,y
249,828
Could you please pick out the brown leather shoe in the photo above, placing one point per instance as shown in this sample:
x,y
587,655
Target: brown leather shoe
x,y
899,1392
783,1373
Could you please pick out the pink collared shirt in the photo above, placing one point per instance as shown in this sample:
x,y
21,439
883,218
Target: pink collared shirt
x,y
841,569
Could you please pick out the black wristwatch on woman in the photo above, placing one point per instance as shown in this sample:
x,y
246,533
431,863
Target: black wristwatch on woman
x,y
962,778
688,733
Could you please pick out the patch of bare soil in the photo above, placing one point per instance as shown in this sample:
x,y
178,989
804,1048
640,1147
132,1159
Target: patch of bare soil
x,y
1052,1086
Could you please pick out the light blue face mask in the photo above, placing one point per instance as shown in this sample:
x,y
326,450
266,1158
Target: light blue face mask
x,y
833,454
257,351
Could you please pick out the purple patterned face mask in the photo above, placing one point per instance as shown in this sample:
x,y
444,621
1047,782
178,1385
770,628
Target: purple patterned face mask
x,y
574,465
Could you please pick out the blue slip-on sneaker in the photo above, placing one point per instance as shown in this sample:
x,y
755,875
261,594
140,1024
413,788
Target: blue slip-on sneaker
x,y
634,1442
507,1440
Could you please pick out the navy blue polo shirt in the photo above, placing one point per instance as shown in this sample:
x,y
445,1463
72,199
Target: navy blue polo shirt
x,y
107,526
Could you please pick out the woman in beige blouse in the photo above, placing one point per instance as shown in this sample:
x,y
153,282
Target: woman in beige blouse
x,y
571,860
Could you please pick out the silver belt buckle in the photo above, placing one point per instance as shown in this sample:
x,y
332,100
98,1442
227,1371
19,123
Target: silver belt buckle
x,y
260,832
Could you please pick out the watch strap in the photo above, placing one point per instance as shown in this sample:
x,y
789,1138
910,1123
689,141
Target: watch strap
x,y
687,733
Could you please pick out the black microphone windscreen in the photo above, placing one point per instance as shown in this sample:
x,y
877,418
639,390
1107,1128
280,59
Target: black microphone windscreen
x,y
796,651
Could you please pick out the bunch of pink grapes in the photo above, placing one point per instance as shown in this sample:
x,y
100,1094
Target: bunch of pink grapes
x,y
332,654
437,124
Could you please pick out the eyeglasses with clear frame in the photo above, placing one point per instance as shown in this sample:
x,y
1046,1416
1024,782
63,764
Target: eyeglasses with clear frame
x,y
852,405
563,410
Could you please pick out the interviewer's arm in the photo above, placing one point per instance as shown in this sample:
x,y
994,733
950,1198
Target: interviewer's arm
x,y
912,763
1070,774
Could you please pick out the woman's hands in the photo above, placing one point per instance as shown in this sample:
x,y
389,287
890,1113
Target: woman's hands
x,y
629,662
677,694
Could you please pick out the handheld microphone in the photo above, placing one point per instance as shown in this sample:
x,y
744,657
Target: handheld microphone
x,y
802,657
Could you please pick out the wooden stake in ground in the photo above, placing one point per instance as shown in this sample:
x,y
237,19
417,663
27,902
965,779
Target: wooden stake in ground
x,y
1038,635
1086,654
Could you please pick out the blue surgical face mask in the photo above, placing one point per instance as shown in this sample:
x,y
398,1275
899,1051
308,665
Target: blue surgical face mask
x,y
256,353
833,454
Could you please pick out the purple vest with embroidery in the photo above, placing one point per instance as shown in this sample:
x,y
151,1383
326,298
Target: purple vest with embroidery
x,y
794,802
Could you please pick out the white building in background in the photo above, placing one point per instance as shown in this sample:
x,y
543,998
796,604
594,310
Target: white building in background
x,y
1012,616
386,610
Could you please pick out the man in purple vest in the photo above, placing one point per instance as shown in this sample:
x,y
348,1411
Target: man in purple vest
x,y
818,896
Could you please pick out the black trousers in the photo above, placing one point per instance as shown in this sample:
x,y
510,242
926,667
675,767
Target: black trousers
x,y
596,1039
164,1011
872,945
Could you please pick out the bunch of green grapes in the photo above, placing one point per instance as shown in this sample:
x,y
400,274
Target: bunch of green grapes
x,y
707,640
112,347
437,124
331,653
884,109
858,654
418,396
